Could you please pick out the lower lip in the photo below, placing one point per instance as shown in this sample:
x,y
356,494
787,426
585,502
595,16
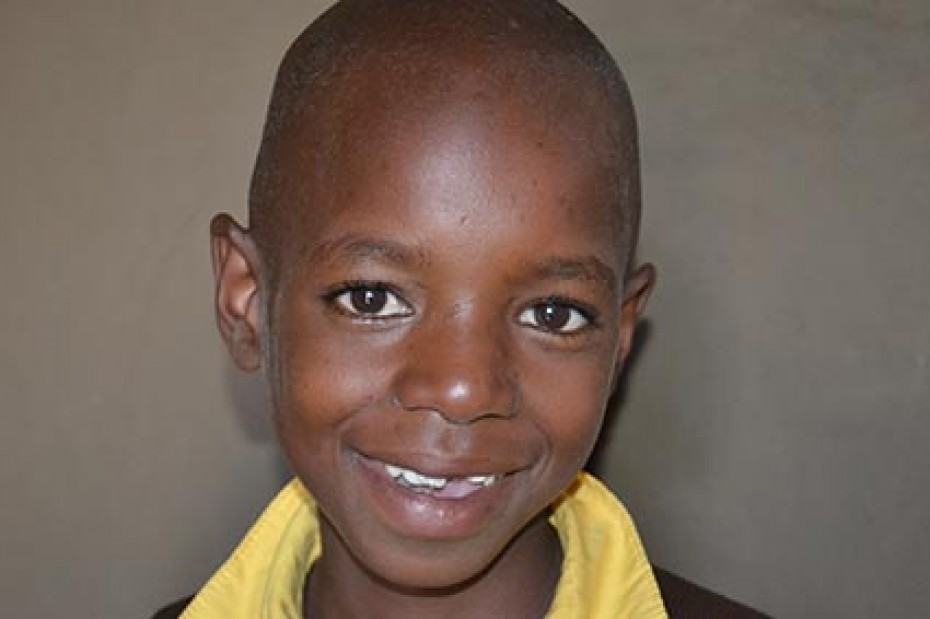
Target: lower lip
x,y
423,516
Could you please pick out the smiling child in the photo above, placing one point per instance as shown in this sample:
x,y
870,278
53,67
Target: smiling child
x,y
437,283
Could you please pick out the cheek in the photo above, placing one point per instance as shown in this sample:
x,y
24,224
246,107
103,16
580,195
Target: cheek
x,y
569,396
324,376
319,383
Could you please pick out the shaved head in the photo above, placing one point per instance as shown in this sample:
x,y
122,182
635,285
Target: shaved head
x,y
367,68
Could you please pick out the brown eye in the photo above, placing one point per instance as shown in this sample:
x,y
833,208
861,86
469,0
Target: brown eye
x,y
368,301
371,302
555,317
552,317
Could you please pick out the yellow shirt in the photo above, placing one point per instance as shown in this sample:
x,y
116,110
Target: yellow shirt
x,y
605,573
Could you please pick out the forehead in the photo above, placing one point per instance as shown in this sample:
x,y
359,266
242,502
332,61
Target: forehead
x,y
483,154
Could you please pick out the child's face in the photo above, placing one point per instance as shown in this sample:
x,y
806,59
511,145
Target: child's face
x,y
450,306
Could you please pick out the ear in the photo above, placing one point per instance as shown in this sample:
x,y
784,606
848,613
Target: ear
x,y
236,269
639,285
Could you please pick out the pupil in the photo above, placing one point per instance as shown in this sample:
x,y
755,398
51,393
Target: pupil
x,y
369,301
552,316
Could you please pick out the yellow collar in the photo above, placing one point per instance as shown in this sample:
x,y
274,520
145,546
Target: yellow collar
x,y
605,573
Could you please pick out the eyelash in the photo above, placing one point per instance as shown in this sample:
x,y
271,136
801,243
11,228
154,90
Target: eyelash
x,y
341,300
579,312
339,297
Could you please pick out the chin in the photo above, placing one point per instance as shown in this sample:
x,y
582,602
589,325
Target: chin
x,y
433,571
431,568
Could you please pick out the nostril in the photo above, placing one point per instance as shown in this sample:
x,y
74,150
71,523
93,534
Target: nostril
x,y
455,397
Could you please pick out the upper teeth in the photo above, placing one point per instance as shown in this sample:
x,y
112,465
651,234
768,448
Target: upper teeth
x,y
482,480
413,478
416,479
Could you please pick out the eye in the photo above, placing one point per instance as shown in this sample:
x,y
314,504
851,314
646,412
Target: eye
x,y
372,301
555,316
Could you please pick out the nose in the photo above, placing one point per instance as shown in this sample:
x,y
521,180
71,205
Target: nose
x,y
458,368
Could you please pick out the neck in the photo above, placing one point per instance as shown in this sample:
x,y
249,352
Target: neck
x,y
521,582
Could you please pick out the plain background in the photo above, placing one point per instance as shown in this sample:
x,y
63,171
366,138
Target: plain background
x,y
774,439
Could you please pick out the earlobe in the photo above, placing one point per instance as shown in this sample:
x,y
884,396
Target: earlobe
x,y
236,272
639,286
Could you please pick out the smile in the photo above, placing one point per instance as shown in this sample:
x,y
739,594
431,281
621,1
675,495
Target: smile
x,y
439,499
440,487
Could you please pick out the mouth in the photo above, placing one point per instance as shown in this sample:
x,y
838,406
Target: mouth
x,y
436,499
457,487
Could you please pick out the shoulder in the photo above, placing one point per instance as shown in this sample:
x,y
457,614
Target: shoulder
x,y
173,610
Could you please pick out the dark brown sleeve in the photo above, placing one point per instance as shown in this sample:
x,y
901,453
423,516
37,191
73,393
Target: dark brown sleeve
x,y
686,600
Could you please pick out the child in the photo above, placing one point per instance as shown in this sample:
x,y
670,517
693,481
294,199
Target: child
x,y
437,284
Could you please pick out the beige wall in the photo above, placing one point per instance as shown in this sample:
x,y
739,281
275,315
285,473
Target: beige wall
x,y
774,439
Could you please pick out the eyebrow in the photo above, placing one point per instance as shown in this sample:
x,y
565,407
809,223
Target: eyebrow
x,y
357,248
585,268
